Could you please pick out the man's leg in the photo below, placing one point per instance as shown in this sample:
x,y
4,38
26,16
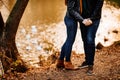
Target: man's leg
x,y
88,36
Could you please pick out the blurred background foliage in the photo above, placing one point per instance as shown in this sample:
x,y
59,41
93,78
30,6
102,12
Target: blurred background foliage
x,y
114,2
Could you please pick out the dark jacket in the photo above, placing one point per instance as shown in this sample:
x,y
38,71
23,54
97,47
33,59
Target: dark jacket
x,y
93,9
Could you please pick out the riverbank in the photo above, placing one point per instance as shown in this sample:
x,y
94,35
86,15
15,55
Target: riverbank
x,y
107,67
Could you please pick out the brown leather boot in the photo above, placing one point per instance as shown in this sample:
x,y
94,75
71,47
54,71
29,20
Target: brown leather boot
x,y
60,64
70,66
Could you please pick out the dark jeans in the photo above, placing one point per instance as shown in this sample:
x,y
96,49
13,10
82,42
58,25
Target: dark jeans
x,y
88,37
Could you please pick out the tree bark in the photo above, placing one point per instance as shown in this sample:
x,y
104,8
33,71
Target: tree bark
x,y
8,49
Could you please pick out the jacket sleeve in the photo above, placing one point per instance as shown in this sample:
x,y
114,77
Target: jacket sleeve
x,y
72,12
97,10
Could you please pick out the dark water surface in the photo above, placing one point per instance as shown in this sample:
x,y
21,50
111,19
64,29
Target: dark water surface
x,y
44,12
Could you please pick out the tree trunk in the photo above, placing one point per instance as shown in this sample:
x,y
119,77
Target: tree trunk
x,y
9,54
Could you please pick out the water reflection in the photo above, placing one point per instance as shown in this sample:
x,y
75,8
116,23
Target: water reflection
x,y
44,12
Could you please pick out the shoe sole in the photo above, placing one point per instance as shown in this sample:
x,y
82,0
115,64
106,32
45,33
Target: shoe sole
x,y
90,73
72,69
75,68
81,67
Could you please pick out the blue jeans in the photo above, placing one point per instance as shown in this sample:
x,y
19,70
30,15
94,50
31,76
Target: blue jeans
x,y
88,37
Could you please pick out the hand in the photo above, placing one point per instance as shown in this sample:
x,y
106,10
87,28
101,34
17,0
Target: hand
x,y
87,22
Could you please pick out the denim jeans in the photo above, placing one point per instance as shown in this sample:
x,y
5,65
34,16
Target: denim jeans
x,y
88,36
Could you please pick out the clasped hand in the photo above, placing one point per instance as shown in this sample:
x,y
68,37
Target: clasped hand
x,y
87,22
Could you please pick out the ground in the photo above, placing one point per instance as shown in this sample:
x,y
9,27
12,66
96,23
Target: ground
x,y
107,67
36,41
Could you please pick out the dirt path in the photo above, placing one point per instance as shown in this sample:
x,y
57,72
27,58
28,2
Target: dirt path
x,y
107,67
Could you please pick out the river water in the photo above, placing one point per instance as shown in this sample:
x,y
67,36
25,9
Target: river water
x,y
51,14
44,12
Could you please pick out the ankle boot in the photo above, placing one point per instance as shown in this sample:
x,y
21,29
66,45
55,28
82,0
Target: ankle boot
x,y
60,64
70,66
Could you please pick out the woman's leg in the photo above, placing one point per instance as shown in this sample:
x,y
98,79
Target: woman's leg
x,y
71,26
